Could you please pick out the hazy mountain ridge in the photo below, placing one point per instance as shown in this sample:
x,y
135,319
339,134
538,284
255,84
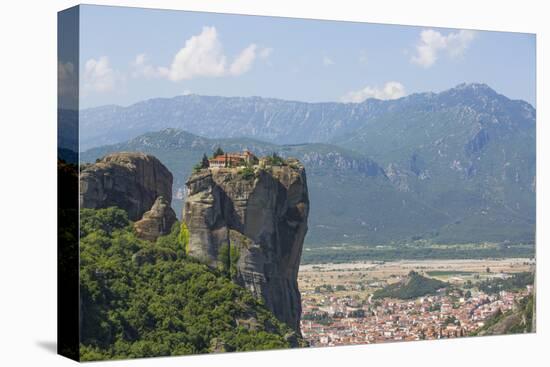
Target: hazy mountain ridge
x,y
471,153
268,119
454,166
271,120
335,175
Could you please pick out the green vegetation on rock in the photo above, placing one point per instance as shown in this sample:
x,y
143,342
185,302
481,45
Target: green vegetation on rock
x,y
275,160
183,237
247,173
414,286
142,299
228,256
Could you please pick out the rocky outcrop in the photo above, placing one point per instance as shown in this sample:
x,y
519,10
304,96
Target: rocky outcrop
x,y
398,177
128,180
477,143
252,226
156,222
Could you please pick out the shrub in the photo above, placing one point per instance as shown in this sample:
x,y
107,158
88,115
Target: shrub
x,y
247,173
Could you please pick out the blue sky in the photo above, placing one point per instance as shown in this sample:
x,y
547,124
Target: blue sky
x,y
131,54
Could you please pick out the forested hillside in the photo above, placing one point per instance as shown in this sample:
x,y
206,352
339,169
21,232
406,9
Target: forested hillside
x,y
142,299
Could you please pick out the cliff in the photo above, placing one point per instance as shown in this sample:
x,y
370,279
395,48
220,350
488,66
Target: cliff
x,y
130,181
252,225
156,222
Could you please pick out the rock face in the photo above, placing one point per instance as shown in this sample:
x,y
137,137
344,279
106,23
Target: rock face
x,y
253,227
156,222
130,181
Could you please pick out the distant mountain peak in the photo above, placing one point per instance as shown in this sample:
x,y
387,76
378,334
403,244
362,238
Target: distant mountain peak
x,y
473,89
473,86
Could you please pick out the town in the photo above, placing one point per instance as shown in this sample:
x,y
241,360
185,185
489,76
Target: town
x,y
433,317
346,314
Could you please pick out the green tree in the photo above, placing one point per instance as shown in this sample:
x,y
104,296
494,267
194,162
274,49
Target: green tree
x,y
275,159
183,237
102,221
205,163
219,151
197,167
247,173
224,260
234,255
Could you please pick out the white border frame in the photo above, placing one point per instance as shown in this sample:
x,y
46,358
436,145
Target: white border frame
x,y
28,184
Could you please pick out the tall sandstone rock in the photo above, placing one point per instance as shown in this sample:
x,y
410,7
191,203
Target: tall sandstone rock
x,y
253,227
156,222
129,180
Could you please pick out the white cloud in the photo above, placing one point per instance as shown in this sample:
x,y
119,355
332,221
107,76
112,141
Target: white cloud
x,y
327,61
244,61
99,76
432,43
203,56
141,68
457,43
390,90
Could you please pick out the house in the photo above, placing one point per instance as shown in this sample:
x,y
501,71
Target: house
x,y
233,160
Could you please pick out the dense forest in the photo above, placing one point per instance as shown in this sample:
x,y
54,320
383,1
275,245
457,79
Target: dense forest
x,y
142,299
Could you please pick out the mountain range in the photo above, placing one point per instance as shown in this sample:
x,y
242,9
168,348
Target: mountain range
x,y
455,166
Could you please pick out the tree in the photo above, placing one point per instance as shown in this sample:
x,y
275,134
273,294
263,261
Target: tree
x,y
183,237
488,269
205,163
219,151
103,221
247,173
224,258
276,159
197,167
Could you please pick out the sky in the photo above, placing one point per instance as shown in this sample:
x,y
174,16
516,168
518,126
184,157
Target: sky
x,y
132,54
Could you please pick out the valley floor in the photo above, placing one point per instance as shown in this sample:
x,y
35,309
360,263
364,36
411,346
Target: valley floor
x,y
338,307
